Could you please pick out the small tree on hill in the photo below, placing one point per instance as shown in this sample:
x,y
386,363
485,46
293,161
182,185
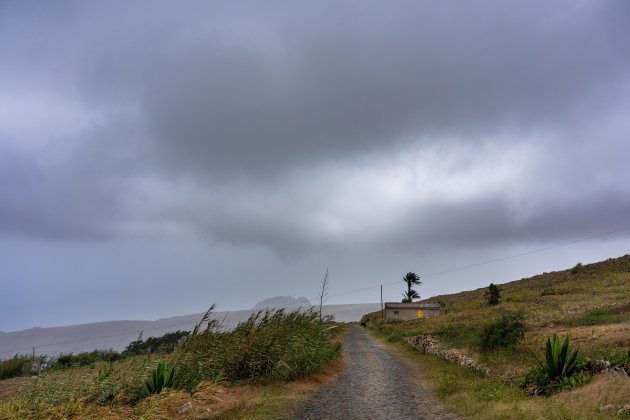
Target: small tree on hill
x,y
411,279
493,294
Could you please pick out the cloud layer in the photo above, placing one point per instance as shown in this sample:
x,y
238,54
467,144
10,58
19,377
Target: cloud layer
x,y
327,127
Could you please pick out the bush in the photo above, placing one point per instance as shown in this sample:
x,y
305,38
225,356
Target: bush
x,y
68,360
18,365
269,345
493,294
163,344
506,332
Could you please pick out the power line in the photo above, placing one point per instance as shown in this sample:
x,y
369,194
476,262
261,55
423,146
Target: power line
x,y
451,270
466,267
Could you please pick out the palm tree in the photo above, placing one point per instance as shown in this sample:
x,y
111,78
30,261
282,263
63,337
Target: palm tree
x,y
409,296
411,279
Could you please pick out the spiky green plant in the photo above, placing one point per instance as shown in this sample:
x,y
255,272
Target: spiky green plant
x,y
160,379
559,363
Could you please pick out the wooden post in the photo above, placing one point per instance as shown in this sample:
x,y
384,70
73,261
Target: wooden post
x,y
382,307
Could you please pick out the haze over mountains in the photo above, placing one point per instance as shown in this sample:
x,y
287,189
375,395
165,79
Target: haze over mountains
x,y
283,302
118,334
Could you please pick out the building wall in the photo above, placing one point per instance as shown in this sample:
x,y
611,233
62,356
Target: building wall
x,y
408,314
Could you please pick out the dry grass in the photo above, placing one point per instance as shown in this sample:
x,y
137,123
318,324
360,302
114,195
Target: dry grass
x,y
604,389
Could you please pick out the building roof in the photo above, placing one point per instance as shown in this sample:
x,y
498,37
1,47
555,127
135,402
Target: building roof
x,y
413,305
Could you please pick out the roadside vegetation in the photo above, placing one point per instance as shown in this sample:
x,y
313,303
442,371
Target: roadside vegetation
x,y
545,341
198,376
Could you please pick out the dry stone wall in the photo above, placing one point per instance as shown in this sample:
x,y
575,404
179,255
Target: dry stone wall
x,y
428,344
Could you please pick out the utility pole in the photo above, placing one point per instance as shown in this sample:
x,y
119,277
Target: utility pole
x,y
382,308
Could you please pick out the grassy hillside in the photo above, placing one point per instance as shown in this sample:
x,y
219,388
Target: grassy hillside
x,y
590,304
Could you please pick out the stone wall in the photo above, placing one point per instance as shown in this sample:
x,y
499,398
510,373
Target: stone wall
x,y
428,344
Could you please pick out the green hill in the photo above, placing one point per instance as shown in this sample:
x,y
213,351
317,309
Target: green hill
x,y
588,303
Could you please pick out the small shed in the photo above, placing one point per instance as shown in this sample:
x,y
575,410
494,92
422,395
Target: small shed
x,y
409,311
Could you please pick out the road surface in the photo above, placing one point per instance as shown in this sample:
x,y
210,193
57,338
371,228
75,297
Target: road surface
x,y
373,385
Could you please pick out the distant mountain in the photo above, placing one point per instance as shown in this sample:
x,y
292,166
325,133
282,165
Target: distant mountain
x,y
283,302
118,334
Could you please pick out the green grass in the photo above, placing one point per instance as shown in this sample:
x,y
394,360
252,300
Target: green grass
x,y
599,316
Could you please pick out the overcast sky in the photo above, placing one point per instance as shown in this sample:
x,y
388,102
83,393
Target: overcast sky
x,y
156,157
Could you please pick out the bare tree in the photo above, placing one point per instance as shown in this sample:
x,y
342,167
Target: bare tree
x,y
323,292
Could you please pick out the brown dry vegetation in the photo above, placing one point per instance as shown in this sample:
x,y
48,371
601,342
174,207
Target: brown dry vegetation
x,y
591,304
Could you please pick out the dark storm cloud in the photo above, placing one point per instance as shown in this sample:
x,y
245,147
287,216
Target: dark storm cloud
x,y
336,81
219,109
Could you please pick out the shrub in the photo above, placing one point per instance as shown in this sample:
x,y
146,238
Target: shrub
x,y
269,345
505,332
18,365
163,344
68,360
493,294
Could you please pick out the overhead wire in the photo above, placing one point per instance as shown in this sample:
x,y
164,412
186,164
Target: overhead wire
x,y
434,274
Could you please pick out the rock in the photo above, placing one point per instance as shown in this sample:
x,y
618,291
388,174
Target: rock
x,y
531,391
427,344
185,408
618,371
597,366
624,410
606,407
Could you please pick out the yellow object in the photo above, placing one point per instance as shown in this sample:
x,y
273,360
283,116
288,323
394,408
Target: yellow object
x,y
419,313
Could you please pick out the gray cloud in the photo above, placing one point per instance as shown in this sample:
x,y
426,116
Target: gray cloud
x,y
281,126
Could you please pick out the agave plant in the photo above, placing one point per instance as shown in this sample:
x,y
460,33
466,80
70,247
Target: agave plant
x,y
160,379
559,363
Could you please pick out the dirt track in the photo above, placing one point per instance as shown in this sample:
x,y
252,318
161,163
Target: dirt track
x,y
373,385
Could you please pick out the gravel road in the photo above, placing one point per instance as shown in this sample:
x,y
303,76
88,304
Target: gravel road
x,y
373,385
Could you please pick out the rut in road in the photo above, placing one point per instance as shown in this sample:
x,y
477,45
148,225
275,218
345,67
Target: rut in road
x,y
373,385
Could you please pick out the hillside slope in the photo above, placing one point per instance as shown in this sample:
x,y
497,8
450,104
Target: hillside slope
x,y
590,304
558,296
